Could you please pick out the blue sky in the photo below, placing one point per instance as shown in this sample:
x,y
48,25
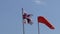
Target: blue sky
x,y
11,16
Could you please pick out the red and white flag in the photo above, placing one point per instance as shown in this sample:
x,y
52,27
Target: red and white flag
x,y
27,18
41,19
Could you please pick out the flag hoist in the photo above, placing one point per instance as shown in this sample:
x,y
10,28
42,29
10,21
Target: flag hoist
x,y
26,18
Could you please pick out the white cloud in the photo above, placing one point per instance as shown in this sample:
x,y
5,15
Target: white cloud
x,y
39,2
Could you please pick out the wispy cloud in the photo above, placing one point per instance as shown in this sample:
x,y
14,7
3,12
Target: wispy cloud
x,y
39,2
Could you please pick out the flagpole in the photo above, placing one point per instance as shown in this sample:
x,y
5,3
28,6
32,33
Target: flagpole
x,y
22,22
38,29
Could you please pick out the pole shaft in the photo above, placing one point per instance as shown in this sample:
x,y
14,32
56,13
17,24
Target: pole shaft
x,y
38,29
23,22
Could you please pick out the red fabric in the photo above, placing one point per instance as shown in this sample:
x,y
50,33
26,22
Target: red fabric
x,y
41,19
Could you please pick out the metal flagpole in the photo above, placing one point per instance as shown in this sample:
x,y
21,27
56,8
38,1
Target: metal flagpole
x,y
23,22
38,29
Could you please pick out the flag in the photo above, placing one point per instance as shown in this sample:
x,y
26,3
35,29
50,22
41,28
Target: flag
x,y
41,19
27,18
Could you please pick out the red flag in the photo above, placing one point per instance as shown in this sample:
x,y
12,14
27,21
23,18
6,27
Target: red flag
x,y
27,18
41,19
